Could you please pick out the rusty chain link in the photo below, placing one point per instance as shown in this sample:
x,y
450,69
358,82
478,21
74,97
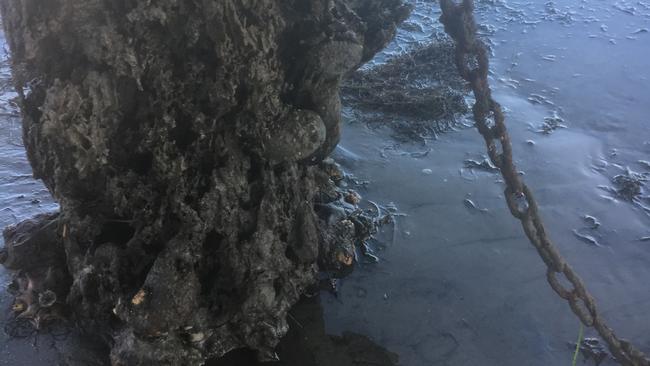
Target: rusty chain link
x,y
473,65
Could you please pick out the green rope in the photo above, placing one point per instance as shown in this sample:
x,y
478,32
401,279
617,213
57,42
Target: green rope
x,y
580,336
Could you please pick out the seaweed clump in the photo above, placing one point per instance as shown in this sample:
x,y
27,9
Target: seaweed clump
x,y
630,185
418,94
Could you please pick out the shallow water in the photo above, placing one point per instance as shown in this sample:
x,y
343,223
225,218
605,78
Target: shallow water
x,y
21,197
460,285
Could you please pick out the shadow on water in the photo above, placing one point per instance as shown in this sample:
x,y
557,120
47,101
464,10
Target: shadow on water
x,y
307,343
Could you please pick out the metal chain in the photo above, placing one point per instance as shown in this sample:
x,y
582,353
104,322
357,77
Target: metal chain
x,y
473,64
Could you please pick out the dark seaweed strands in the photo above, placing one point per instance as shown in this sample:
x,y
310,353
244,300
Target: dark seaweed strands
x,y
473,64
418,92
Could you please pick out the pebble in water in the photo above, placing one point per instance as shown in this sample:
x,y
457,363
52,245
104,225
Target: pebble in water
x,y
586,238
485,165
470,204
592,221
551,124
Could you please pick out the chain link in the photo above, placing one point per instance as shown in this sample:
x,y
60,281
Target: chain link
x,y
473,65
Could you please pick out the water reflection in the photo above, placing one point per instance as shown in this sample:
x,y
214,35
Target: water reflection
x,y
307,343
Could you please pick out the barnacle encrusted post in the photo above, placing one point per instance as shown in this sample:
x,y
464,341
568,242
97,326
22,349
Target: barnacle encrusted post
x,y
178,138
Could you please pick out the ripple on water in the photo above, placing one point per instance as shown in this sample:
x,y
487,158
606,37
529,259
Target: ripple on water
x,y
21,196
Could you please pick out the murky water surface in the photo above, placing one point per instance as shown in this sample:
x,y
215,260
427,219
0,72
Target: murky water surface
x,y
21,197
458,284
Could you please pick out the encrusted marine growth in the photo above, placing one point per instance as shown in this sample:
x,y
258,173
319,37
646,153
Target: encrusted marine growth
x,y
178,138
